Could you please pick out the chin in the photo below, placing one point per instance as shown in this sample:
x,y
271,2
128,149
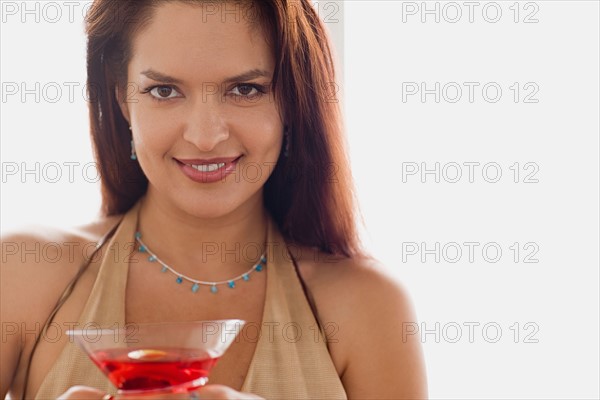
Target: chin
x,y
206,208
212,211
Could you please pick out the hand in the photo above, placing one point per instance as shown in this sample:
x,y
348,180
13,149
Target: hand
x,y
221,392
217,392
82,393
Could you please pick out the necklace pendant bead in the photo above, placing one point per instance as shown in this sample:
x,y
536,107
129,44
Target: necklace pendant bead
x,y
138,235
164,269
245,277
263,259
259,267
142,249
231,284
152,258
179,279
195,287
213,289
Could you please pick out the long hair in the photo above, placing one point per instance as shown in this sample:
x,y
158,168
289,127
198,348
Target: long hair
x,y
310,192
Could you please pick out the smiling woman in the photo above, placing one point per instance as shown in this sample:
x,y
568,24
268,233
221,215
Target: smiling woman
x,y
188,113
219,144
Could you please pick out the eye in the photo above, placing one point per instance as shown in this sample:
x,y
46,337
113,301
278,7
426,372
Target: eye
x,y
248,90
161,92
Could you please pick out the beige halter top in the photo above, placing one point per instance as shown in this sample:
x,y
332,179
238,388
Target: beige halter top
x,y
280,368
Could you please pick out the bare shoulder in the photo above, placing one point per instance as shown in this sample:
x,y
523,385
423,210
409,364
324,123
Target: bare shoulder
x,y
35,247
369,313
38,261
56,235
355,280
37,264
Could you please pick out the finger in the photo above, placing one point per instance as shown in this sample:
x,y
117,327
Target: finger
x,y
222,392
83,393
152,396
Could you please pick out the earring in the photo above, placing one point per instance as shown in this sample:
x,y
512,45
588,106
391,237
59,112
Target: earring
x,y
133,156
286,150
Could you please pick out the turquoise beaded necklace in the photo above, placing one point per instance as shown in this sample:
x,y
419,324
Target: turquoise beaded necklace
x,y
196,283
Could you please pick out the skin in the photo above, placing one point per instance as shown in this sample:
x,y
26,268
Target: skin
x,y
193,125
203,117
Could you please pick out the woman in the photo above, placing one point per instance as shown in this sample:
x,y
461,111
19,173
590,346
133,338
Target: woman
x,y
217,141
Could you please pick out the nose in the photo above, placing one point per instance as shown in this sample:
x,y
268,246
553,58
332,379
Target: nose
x,y
205,125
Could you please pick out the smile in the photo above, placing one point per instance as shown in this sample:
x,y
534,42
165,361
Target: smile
x,y
207,167
208,171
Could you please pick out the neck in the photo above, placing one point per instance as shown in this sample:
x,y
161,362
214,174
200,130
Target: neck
x,y
217,246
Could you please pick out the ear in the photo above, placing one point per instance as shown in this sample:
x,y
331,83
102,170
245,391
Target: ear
x,y
121,100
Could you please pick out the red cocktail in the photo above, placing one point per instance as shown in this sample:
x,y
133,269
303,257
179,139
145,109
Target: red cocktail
x,y
173,357
158,368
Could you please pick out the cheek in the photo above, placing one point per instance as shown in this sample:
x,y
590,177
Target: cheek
x,y
259,129
154,133
262,131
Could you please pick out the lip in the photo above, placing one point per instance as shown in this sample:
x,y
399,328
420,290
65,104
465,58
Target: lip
x,y
208,177
206,161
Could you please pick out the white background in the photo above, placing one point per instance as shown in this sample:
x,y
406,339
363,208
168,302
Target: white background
x,y
387,49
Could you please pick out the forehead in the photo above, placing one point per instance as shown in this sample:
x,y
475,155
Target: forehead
x,y
200,40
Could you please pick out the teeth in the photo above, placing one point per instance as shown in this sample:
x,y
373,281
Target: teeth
x,y
208,167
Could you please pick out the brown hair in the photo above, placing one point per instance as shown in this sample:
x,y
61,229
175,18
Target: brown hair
x,y
309,193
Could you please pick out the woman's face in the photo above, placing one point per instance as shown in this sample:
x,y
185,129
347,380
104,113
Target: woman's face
x,y
186,106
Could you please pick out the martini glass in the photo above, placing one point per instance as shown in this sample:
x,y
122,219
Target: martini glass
x,y
158,357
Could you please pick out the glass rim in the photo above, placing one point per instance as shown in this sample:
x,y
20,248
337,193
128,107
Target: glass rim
x,y
79,332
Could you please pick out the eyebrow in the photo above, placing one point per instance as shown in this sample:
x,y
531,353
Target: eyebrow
x,y
244,76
